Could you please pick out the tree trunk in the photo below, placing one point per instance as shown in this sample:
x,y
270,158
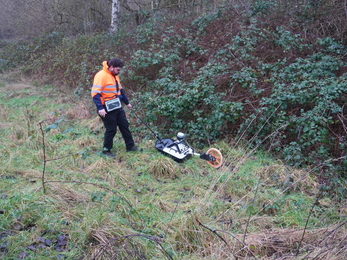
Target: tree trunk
x,y
114,16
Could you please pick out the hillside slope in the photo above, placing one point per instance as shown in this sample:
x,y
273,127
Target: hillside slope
x,y
61,199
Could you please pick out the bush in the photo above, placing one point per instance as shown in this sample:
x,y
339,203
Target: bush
x,y
272,86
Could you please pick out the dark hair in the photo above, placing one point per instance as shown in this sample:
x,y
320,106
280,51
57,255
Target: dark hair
x,y
115,62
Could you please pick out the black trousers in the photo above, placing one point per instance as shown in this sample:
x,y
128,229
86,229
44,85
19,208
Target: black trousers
x,y
112,120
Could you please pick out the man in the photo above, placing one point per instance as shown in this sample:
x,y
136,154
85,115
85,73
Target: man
x,y
108,95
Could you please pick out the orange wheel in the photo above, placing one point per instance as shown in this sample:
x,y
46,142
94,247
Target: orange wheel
x,y
216,154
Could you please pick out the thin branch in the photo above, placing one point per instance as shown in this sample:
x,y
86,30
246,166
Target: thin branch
x,y
249,218
306,224
44,156
173,213
243,244
328,235
152,239
334,230
219,236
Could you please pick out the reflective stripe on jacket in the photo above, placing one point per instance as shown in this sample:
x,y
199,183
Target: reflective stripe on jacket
x,y
105,84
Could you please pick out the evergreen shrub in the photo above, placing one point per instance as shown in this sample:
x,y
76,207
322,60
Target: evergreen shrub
x,y
276,88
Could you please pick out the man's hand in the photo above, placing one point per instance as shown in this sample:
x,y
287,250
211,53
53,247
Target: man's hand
x,y
102,112
129,106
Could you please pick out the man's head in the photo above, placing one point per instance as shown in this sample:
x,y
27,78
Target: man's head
x,y
115,65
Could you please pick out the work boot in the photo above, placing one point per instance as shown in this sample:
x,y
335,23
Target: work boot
x,y
109,153
134,149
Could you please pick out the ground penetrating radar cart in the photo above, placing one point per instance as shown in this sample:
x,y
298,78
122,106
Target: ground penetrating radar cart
x,y
179,150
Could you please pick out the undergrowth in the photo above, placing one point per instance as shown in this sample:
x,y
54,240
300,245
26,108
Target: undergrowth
x,y
145,205
267,74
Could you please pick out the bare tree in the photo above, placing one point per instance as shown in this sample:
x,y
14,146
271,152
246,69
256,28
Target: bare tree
x,y
27,18
114,15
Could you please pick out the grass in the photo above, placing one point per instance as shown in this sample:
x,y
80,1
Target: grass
x,y
145,205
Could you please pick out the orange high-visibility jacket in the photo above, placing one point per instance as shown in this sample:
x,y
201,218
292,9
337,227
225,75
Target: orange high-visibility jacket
x,y
105,84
